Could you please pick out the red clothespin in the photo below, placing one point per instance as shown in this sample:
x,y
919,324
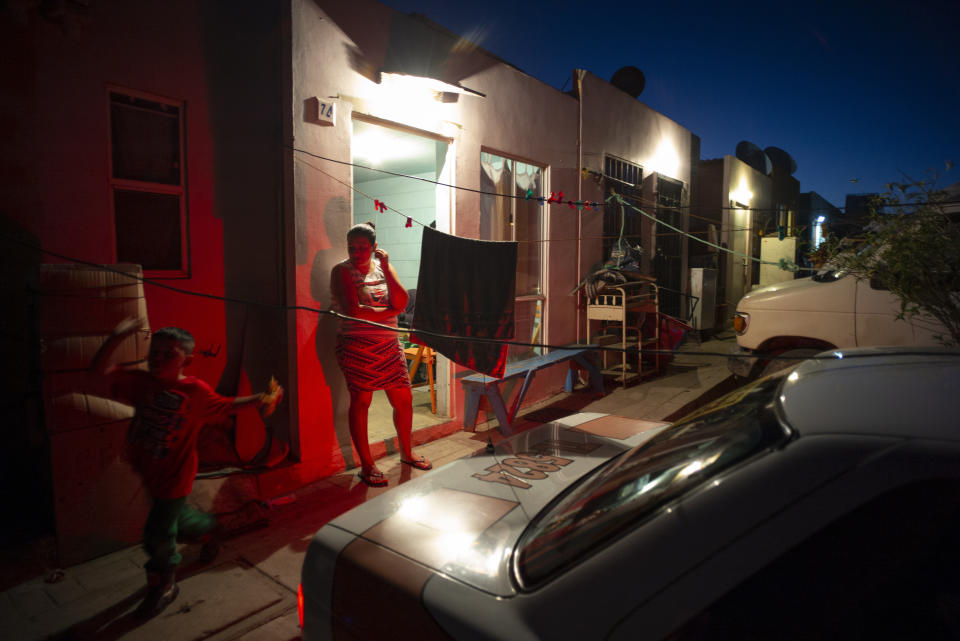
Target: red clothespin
x,y
379,206
409,222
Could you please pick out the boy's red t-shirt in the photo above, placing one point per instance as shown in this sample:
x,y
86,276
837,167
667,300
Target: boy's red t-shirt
x,y
162,440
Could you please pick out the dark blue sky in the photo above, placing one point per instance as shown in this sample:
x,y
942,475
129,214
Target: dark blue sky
x,y
852,90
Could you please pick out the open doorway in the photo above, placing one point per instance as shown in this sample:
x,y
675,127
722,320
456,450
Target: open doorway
x,y
401,169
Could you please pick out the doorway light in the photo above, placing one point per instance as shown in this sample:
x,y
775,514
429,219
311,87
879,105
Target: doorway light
x,y
378,145
425,84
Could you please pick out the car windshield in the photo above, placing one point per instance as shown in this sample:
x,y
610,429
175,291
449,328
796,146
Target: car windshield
x,y
635,485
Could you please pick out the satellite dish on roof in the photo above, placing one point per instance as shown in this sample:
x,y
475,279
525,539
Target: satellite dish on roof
x,y
754,156
629,79
782,161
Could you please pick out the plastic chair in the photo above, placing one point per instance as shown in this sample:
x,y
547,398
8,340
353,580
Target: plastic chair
x,y
426,355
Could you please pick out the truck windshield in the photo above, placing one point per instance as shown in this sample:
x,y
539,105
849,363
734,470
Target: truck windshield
x,y
634,486
829,275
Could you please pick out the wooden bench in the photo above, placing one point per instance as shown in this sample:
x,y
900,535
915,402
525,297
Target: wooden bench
x,y
479,385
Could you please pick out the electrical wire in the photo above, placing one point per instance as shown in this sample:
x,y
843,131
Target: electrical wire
x,y
401,330
593,203
783,264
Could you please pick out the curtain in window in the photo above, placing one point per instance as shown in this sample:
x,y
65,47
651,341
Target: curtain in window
x,y
528,232
496,212
511,216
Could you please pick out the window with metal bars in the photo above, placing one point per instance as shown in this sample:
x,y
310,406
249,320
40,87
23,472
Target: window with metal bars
x,y
624,178
667,261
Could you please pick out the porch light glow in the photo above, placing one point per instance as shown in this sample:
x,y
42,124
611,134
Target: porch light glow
x,y
411,100
377,145
666,160
742,193
424,84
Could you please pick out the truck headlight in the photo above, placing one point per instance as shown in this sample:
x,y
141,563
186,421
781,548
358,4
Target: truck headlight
x,y
740,322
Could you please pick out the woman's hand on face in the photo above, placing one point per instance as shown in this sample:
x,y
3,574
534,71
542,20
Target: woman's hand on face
x,y
382,256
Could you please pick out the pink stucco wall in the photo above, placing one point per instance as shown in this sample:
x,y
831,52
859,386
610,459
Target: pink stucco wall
x,y
61,136
56,184
268,221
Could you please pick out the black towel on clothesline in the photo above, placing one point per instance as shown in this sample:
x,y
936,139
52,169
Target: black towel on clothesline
x,y
466,288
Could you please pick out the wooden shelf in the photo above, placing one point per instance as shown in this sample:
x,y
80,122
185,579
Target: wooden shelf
x,y
620,377
622,345
621,311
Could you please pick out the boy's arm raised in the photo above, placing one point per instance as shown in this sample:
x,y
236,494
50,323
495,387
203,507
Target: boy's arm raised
x,y
100,364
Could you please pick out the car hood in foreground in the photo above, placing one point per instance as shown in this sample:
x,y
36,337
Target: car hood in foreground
x,y
874,391
465,518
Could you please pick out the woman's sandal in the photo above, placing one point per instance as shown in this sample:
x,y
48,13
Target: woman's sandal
x,y
373,478
419,462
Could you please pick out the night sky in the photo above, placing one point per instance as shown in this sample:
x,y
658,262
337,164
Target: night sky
x,y
859,93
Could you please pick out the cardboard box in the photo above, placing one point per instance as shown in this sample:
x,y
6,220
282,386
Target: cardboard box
x,y
76,352
75,411
100,504
79,306
81,300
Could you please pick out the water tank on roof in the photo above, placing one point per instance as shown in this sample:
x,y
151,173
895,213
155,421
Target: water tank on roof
x,y
783,162
629,79
754,156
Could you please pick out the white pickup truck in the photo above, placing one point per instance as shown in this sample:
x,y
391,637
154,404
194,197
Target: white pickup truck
x,y
833,309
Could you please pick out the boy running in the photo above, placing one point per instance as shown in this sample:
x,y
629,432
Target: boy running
x,y
169,410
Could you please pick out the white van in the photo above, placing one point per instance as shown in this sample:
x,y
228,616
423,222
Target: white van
x,y
832,309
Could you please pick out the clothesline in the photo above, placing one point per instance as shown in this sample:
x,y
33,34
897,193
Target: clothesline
x,y
526,196
783,263
332,313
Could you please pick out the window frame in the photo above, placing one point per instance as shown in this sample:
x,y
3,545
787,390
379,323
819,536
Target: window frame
x,y
617,174
179,190
540,297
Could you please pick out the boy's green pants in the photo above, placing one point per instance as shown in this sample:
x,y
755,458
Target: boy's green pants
x,y
169,521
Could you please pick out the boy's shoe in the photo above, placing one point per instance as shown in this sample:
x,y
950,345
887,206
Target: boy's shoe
x,y
211,546
162,590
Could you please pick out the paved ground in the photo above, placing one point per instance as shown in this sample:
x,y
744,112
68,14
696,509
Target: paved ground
x,y
249,593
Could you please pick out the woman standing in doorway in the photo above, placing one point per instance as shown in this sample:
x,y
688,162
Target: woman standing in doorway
x,y
366,287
